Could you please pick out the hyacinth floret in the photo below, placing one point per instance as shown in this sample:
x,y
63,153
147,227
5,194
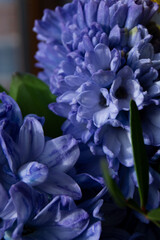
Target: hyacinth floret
x,y
31,158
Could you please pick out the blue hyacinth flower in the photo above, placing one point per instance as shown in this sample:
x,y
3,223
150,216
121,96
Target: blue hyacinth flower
x,y
100,58
37,218
32,158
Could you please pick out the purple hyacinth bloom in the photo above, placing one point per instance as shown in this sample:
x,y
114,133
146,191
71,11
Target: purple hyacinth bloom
x,y
102,57
35,160
58,219
99,58
83,24
125,88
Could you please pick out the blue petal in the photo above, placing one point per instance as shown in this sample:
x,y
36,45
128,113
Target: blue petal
x,y
74,81
10,150
116,60
51,212
78,130
125,154
118,14
126,182
22,200
153,197
88,99
33,173
101,117
80,16
48,27
90,12
147,51
61,220
126,73
60,153
150,120
59,183
111,144
31,139
61,109
117,144
115,36
103,14
67,97
86,113
93,232
14,114
134,15
4,198
103,78
99,58
72,225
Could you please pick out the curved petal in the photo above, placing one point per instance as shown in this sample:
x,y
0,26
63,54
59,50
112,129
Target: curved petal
x,y
31,139
71,225
10,150
93,232
61,109
33,173
88,98
103,78
22,200
4,198
150,119
125,155
14,114
99,58
60,153
134,15
101,117
59,183
111,144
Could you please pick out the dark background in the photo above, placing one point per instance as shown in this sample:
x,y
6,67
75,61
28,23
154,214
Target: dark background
x,y
18,43
31,10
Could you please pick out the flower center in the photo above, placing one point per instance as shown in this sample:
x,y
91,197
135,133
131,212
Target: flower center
x,y
121,93
33,173
27,230
102,100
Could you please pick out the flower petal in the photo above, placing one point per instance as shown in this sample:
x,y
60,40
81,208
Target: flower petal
x,y
31,139
10,150
93,232
60,153
101,117
22,200
59,183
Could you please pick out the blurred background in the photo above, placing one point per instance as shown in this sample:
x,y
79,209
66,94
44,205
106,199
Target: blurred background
x,y
18,42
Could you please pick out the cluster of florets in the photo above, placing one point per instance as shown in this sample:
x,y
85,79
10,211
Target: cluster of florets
x,y
96,56
39,185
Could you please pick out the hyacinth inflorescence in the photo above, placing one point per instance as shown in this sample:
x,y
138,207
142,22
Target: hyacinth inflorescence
x,y
96,56
38,183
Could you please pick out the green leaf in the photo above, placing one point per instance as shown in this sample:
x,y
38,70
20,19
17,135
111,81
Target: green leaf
x,y
139,152
33,96
112,186
154,215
